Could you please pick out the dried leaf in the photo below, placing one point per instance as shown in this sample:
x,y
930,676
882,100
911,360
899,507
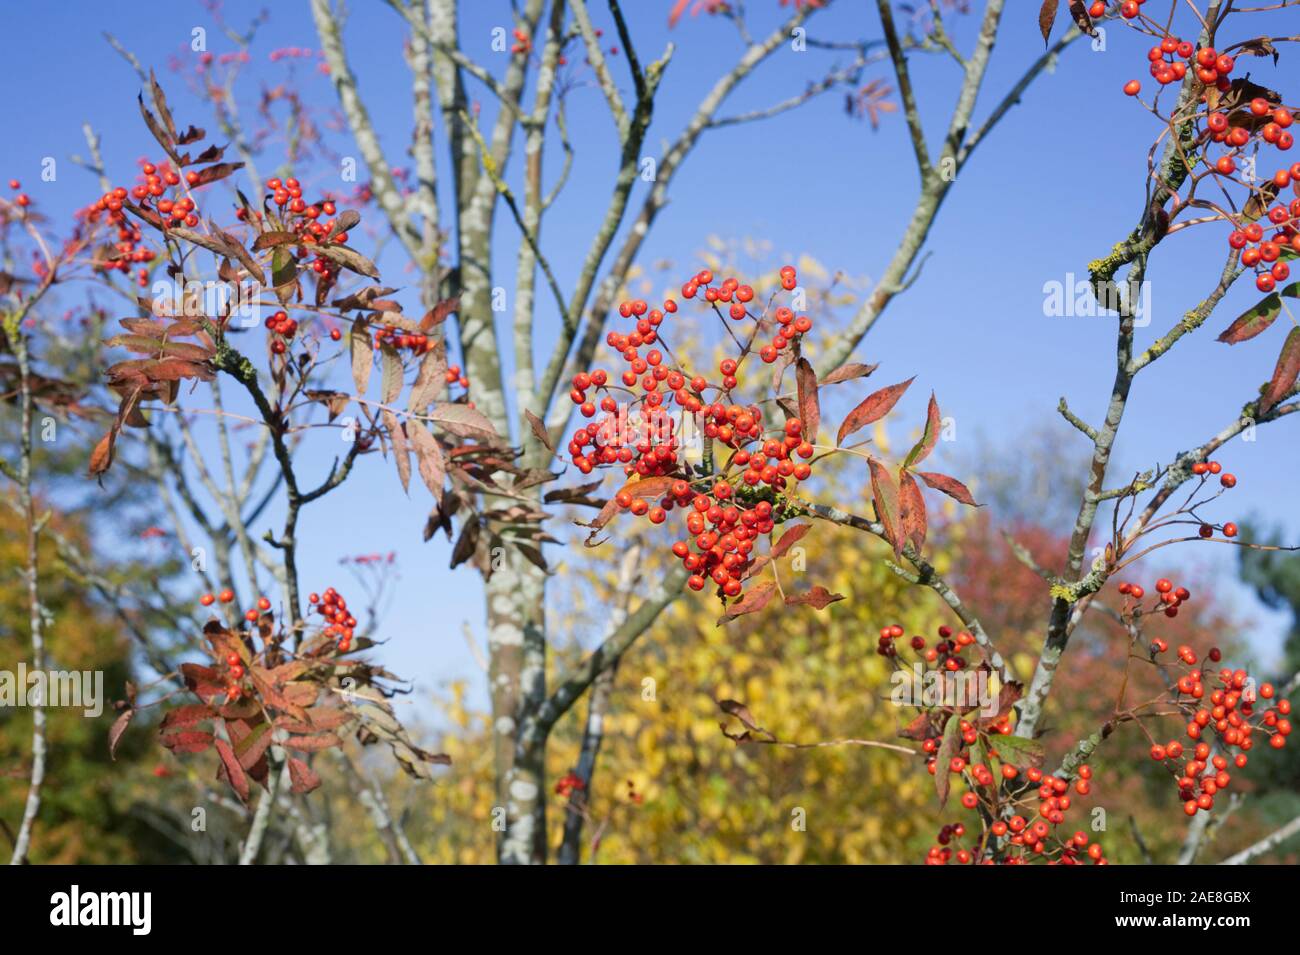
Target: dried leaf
x,y
391,379
539,430
363,355
438,314
117,729
819,598
401,449
1046,17
809,407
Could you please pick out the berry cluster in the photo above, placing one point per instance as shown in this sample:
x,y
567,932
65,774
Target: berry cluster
x,y
1024,839
334,609
523,42
568,783
1231,708
304,220
1169,598
22,199
946,653
412,341
727,508
284,328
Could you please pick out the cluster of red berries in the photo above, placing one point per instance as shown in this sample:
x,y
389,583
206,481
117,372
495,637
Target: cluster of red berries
x,y
1024,839
22,199
414,342
731,292
127,250
523,42
568,783
1231,707
306,221
1169,600
334,609
284,327
945,653
455,376
1171,58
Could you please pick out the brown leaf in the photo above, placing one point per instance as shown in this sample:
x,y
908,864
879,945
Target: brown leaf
x,y
348,258
874,407
1079,10
429,378
215,172
751,601
269,240
345,221
428,458
363,355
819,598
1046,17
401,450
647,488
948,485
539,430
947,750
809,407
848,372
101,458
391,378
438,314
117,729
1285,374
314,743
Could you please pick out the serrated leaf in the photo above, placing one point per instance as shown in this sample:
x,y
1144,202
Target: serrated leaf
x,y
948,485
751,601
391,376
849,372
792,536
1285,374
363,355
872,408
809,405
885,494
911,505
1257,319
929,437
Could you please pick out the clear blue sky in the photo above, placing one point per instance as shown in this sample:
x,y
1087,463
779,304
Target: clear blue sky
x,y
1056,185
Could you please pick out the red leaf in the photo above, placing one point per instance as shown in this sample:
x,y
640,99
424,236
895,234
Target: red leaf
x,y
874,407
186,741
438,314
885,493
302,776
1257,319
948,485
848,373
912,511
791,537
186,716
928,438
1284,375
235,774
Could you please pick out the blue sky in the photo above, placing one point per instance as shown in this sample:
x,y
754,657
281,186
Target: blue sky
x,y
1055,186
